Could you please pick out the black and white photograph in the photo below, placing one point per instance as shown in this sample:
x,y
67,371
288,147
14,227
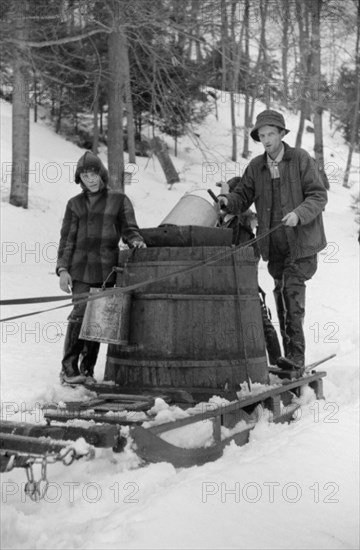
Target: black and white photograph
x,y
180,282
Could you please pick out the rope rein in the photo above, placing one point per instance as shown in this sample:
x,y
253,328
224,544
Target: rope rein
x,y
85,297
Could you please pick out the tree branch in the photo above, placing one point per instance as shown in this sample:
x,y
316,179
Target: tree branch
x,y
58,41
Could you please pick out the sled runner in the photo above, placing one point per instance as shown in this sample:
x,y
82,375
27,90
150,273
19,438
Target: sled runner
x,y
276,402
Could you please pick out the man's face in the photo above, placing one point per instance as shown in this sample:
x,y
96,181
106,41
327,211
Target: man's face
x,y
91,180
270,137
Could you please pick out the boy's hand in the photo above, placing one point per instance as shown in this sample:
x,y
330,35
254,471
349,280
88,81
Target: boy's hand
x,y
138,244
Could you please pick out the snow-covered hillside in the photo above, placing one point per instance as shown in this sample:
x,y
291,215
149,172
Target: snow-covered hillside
x,y
293,486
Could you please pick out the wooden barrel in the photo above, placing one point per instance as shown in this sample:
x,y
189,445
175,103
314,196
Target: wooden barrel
x,y
198,328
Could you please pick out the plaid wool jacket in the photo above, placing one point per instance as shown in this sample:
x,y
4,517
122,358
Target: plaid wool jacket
x,y
302,191
90,234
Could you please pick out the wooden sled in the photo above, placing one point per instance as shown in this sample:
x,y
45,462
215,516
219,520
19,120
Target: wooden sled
x,y
277,401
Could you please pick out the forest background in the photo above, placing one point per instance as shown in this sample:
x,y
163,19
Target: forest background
x,y
120,75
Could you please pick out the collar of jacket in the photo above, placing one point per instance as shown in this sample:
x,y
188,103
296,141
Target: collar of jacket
x,y
288,155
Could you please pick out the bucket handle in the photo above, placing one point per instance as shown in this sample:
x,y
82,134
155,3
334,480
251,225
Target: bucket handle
x,y
118,269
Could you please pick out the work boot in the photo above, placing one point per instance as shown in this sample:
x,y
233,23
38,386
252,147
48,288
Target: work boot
x,y
76,379
281,313
271,337
290,363
90,380
294,297
72,348
88,359
78,350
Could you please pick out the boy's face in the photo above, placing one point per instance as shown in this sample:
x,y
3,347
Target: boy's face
x,y
270,137
91,180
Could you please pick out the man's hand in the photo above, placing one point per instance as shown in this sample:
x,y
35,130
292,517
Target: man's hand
x,y
291,219
138,244
223,202
65,281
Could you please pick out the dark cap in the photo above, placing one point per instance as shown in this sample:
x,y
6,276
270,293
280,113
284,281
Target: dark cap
x,y
89,161
268,118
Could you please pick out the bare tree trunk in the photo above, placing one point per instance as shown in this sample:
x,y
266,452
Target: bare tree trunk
x,y
21,112
95,143
305,63
101,119
129,111
195,6
35,98
245,152
160,150
316,81
285,47
216,107
261,53
233,127
224,45
59,112
301,125
264,49
233,89
116,53
355,127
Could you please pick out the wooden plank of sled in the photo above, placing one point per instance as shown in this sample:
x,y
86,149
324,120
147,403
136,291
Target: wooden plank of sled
x,y
124,398
123,401
181,422
134,392
30,445
152,448
115,407
285,385
236,405
63,415
166,393
190,396
101,435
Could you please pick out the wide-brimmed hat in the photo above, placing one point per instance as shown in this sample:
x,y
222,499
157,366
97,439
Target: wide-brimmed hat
x,y
268,118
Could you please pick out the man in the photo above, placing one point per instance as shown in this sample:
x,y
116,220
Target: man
x,y
289,197
242,225
93,224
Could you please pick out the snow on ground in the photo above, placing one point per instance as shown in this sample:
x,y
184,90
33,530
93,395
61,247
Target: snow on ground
x,y
293,486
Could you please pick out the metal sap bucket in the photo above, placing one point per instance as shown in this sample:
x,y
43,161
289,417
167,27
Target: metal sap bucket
x,y
107,319
194,208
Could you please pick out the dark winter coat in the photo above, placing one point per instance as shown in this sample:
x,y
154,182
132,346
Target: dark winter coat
x,y
92,227
302,191
89,242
